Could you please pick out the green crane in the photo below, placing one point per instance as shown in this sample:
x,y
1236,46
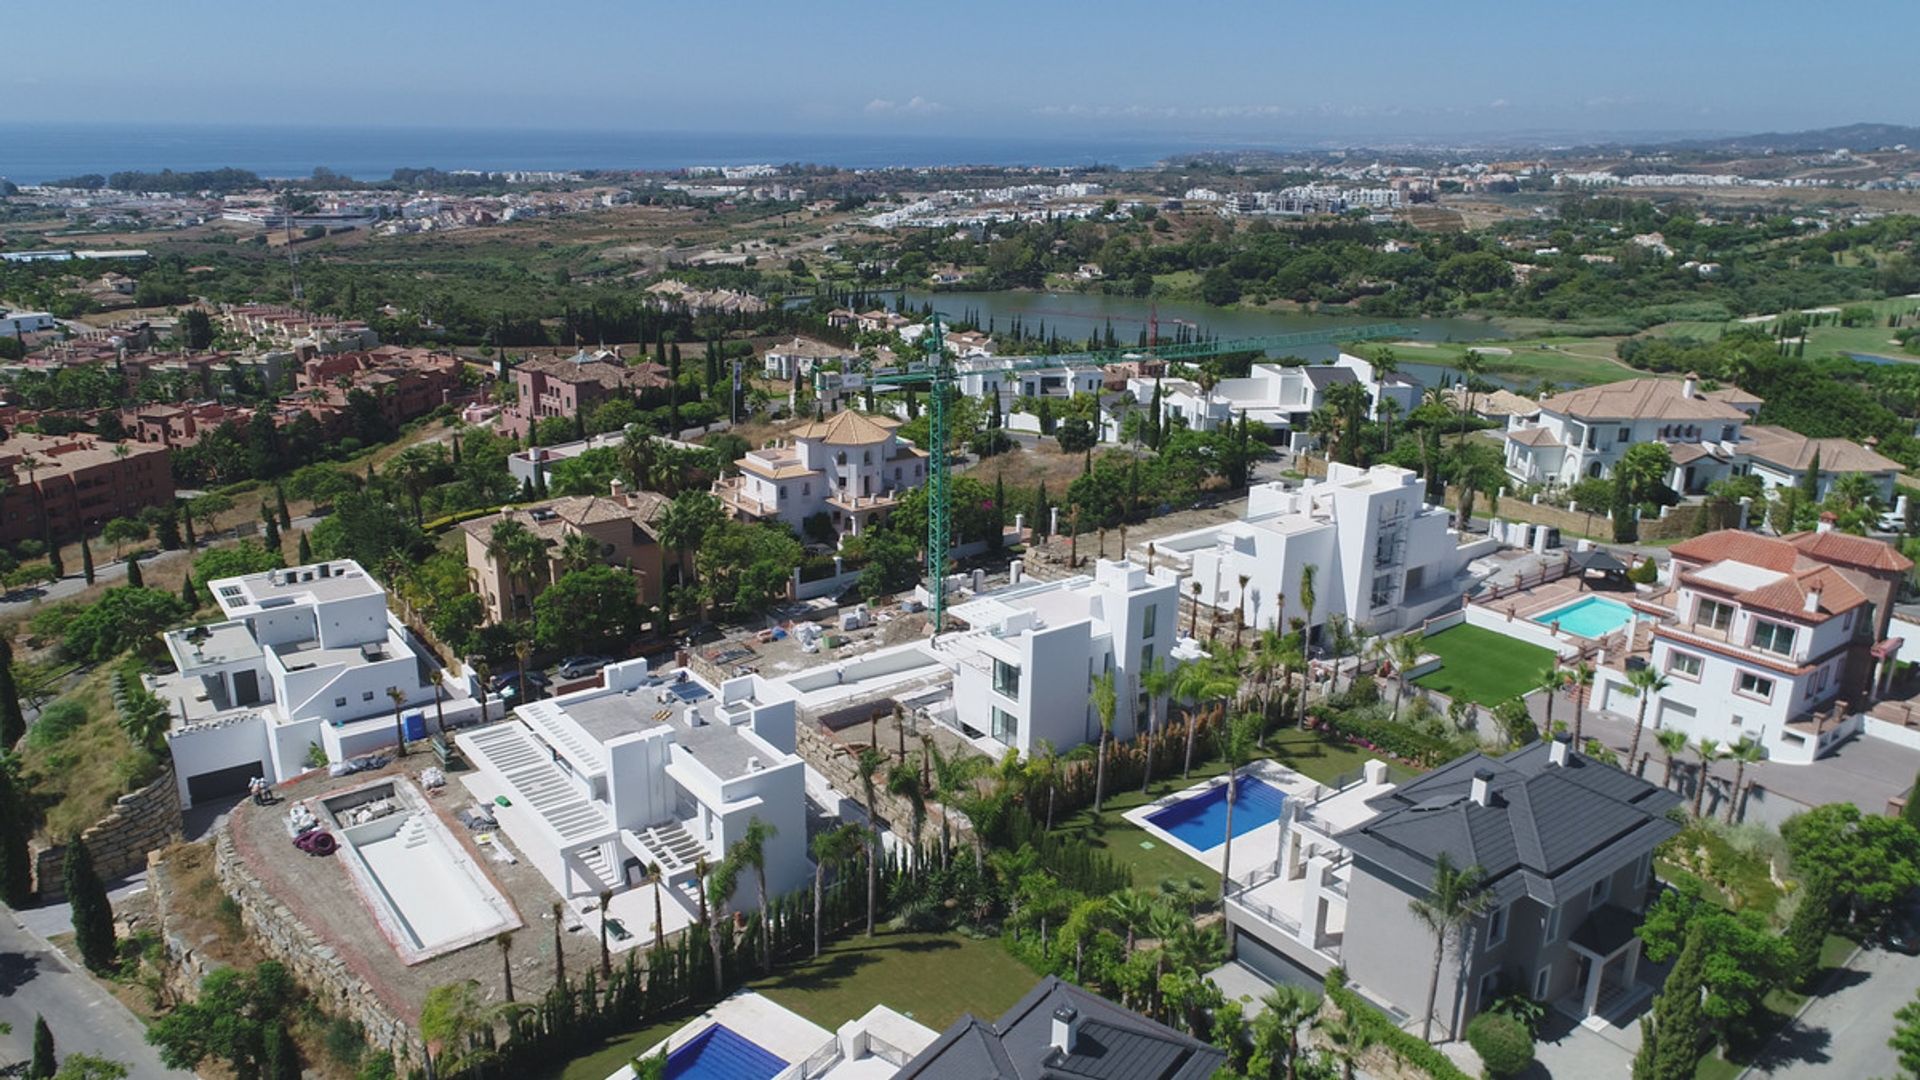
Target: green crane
x,y
937,375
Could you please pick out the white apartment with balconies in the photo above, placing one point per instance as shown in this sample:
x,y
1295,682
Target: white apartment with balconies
x,y
1280,396
1582,434
849,466
1381,556
1024,669
648,770
306,657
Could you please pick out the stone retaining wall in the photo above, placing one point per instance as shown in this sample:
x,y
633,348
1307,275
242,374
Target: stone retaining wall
x,y
841,769
140,822
317,965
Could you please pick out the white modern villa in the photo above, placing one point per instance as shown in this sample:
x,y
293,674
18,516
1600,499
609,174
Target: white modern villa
x,y
1383,558
1279,396
642,771
305,657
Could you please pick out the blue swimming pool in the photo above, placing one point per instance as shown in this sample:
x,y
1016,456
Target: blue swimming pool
x,y
1589,617
1201,822
721,1053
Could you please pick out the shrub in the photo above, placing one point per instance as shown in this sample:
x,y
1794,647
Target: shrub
x,y
1644,573
56,722
1406,1046
1502,1042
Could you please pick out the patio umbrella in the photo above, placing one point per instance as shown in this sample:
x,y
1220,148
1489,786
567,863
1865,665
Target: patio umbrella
x,y
1596,559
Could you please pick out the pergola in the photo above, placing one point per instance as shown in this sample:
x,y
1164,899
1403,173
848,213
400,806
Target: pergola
x,y
1596,559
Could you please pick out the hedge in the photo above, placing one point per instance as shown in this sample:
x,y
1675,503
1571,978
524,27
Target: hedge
x,y
434,525
1503,1043
1397,738
1382,1031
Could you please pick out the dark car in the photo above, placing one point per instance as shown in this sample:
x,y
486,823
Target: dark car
x,y
1901,936
508,685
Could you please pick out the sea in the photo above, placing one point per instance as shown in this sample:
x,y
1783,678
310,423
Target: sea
x,y
32,153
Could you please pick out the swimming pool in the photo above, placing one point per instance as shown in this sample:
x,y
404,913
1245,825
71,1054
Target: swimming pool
x,y
721,1053
1589,616
1201,821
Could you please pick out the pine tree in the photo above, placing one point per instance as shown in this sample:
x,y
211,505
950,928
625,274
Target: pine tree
x,y
306,550
92,912
13,723
86,560
134,577
1673,1039
43,1067
280,497
16,867
186,592
1807,931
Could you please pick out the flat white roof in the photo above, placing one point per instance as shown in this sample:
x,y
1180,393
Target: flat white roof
x,y
1738,576
336,579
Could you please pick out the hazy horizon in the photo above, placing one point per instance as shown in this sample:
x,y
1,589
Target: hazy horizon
x,y
1393,71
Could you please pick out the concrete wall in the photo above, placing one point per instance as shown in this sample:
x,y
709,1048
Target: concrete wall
x,y
1521,629
138,823
219,744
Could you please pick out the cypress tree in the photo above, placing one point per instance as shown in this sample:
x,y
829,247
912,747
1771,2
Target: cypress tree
x,y
186,591
187,520
1037,517
306,550
13,722
280,493
16,867
1625,528
57,568
997,525
1810,482
1673,1039
1807,931
166,529
43,1067
92,912
1911,811
273,529
134,577
86,560
279,1058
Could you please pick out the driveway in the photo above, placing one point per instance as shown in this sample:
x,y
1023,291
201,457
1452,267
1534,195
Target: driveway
x,y
1844,1033
36,979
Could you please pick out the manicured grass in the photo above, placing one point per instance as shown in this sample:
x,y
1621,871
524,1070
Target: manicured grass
x,y
933,978
619,1050
1149,858
1564,361
1483,666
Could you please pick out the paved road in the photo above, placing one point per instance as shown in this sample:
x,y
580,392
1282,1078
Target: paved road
x,y
1844,1033
108,570
35,979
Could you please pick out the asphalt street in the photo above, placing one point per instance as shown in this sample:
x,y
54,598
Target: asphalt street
x,y
37,980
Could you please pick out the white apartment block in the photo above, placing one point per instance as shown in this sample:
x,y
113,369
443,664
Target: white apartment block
x,y
850,466
1024,669
305,657
1281,397
648,770
1382,557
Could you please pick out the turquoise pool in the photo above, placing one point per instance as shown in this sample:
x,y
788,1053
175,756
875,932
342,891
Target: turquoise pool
x,y
1589,616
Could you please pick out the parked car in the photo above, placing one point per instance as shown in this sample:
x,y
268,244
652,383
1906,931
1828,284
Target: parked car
x,y
1901,936
579,667
508,685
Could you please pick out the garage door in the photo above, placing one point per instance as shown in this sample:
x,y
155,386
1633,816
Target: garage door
x,y
1271,964
1672,712
223,783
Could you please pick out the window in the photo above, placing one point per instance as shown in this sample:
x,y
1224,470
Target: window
x,y
1552,931
1542,980
1601,890
339,703
1006,726
1755,685
1626,435
1497,925
1146,657
1382,592
1712,615
1489,988
1772,637
1006,678
806,488
1685,665
366,695
1150,621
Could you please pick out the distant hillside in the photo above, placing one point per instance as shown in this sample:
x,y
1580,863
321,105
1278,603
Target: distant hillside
x,y
1851,136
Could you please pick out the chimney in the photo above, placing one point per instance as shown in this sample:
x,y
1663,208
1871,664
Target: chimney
x,y
1813,600
1557,751
1691,387
1066,1029
1827,519
1482,793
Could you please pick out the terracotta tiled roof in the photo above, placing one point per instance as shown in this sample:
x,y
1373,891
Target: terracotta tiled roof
x,y
1789,595
1735,546
1649,399
1533,436
848,428
817,350
1792,450
1846,549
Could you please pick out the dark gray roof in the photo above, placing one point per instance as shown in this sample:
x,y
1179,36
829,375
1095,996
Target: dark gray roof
x,y
1607,930
1596,559
1112,1044
1324,377
1546,827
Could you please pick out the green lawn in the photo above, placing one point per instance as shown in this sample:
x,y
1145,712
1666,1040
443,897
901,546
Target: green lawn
x,y
1564,361
933,978
1483,666
1148,858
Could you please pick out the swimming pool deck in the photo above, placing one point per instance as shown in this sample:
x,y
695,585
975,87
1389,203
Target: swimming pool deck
x,y
781,1032
1264,839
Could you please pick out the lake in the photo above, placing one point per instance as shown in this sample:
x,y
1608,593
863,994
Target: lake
x,y
1078,315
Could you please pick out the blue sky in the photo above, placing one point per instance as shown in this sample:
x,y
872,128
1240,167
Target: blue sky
x,y
1258,70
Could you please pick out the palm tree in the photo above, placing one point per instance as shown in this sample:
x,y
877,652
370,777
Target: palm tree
x,y
1131,909
1580,681
1346,1038
1236,744
559,954
1744,753
1386,410
1455,900
1193,621
1043,769
1158,681
751,851
579,551
904,781
1551,681
398,698
1672,743
1406,651
1708,751
606,953
720,883
413,470
1105,702
1647,682
869,763
1201,682
1308,573
484,672
1276,1031
1470,365
832,848
656,877
520,553
504,940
